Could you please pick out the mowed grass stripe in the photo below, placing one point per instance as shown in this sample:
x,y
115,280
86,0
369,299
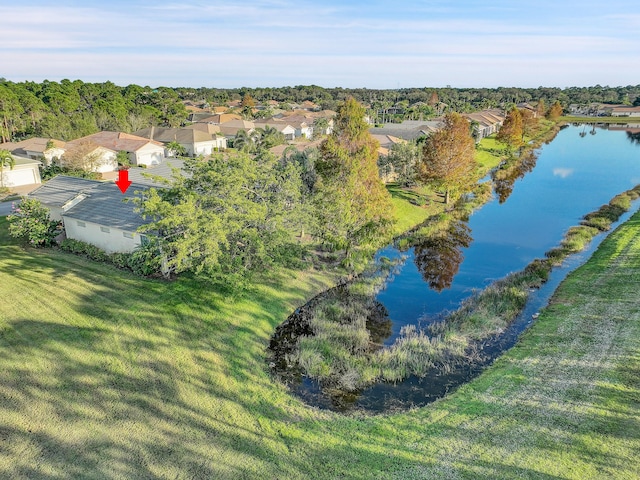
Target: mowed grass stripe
x,y
131,378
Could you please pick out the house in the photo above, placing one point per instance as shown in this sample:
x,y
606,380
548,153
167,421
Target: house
x,y
195,142
230,129
386,142
625,111
94,212
485,122
106,218
86,155
142,151
25,171
37,148
286,129
407,130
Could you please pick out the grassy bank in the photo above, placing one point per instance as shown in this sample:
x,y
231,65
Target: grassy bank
x,y
105,375
574,119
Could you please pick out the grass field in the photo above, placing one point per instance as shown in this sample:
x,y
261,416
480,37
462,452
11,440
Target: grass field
x,y
105,375
574,119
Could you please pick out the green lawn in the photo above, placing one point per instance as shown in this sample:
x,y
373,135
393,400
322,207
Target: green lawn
x,y
573,119
105,375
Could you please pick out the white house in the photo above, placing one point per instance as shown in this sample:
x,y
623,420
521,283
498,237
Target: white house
x,y
194,141
87,155
94,212
25,171
104,218
38,148
141,151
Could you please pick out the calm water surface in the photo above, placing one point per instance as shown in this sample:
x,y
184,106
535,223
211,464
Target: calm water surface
x,y
573,175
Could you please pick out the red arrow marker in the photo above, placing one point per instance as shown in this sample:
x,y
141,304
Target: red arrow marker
x,y
123,181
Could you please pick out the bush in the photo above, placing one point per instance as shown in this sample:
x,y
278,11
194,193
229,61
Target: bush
x,y
144,261
30,221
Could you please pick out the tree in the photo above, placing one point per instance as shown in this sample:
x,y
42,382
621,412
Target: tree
x,y
84,155
353,205
123,159
541,108
320,126
227,218
30,221
6,160
529,123
448,157
403,157
176,149
248,101
555,111
511,132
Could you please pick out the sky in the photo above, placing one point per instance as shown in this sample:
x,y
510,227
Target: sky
x,y
351,44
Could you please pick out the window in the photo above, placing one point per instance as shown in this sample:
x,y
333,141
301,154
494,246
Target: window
x,y
144,240
81,224
105,229
127,235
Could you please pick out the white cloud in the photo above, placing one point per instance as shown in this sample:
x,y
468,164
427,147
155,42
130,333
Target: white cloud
x,y
563,172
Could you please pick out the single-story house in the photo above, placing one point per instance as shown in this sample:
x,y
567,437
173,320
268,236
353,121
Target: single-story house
x,y
408,130
87,155
37,148
142,151
194,141
486,122
25,171
625,111
229,129
94,212
286,129
106,218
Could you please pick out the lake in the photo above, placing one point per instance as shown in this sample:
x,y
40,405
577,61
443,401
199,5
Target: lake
x,y
581,169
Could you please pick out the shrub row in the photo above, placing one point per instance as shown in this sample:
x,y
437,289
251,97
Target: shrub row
x,y
144,261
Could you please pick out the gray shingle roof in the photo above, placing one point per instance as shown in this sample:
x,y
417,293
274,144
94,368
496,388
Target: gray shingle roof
x,y
139,175
106,205
59,190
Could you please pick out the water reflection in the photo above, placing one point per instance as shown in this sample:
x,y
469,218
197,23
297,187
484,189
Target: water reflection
x,y
634,137
505,178
438,257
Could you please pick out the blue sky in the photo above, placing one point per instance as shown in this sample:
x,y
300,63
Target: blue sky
x,y
373,44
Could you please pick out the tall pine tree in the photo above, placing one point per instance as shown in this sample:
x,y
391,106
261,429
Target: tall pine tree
x,y
353,205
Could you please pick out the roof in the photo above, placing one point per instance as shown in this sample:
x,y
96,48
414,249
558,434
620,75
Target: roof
x,y
17,160
106,205
61,189
164,170
116,141
180,135
205,127
35,144
407,130
387,140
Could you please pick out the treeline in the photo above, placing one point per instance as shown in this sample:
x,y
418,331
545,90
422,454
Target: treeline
x,y
461,100
70,109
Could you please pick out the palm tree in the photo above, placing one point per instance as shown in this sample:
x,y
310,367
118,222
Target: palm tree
x,y
6,160
242,141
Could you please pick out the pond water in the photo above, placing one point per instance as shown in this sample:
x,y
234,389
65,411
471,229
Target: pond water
x,y
580,170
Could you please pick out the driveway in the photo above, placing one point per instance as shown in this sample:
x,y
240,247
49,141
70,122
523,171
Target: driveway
x,y
5,208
